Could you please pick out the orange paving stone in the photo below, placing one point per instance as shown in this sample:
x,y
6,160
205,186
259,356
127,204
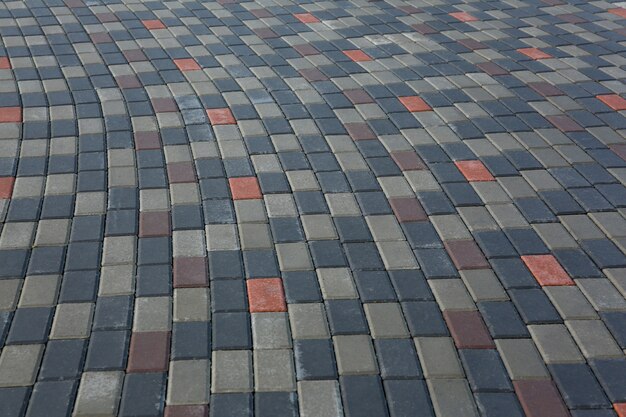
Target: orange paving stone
x,y
547,270
10,114
614,101
619,11
474,171
414,104
266,295
620,409
534,53
464,17
187,64
306,18
221,117
153,24
5,63
357,55
244,188
6,186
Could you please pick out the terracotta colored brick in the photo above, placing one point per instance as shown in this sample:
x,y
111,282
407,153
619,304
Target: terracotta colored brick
x,y
620,409
153,24
466,254
540,398
547,270
468,330
154,223
221,117
474,171
244,188
178,172
149,352
107,17
565,124
5,63
10,114
266,295
6,187
407,160
357,55
410,9
358,96
619,11
190,272
414,104
464,17
187,64
359,131
407,209
491,68
306,18
147,140
571,18
534,53
614,101
186,411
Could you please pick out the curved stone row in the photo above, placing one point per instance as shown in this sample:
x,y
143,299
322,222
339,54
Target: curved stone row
x,y
316,209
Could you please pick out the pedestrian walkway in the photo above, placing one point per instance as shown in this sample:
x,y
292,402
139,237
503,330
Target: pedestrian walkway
x,y
298,208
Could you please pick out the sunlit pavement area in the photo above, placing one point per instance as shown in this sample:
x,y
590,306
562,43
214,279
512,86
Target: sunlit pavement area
x,y
312,208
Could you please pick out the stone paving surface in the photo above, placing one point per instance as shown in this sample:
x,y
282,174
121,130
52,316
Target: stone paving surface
x,y
311,208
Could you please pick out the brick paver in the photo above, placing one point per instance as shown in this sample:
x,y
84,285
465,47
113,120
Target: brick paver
x,y
317,209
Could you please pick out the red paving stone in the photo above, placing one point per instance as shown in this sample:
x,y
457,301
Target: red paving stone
x,y
540,398
306,50
534,53
464,17
414,104
306,18
5,63
187,64
313,74
10,114
474,171
186,411
407,209
547,270
618,11
468,330
244,188
466,254
358,96
266,295
149,352
154,223
614,101
620,409
190,272
6,186
491,68
164,105
565,124
153,24
221,117
357,55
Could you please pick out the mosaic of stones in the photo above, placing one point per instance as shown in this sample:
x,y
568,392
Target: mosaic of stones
x,y
312,208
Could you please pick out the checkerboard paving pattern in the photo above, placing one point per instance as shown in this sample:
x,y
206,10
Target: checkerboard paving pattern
x,y
383,208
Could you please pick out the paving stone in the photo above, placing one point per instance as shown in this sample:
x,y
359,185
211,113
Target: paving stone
x,y
451,397
319,398
99,393
188,382
438,357
540,398
52,398
522,359
143,394
593,338
231,371
555,343
363,396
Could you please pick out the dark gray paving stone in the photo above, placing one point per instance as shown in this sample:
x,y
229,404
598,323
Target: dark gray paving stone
x,y
346,317
611,373
579,387
231,405
231,331
494,404
485,370
424,318
191,340
108,350
363,396
52,398
143,395
408,397
13,401
315,359
397,359
278,404
534,306
301,287
63,359
30,325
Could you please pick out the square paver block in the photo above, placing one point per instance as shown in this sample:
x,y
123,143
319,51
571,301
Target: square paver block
x,y
231,371
355,355
188,382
